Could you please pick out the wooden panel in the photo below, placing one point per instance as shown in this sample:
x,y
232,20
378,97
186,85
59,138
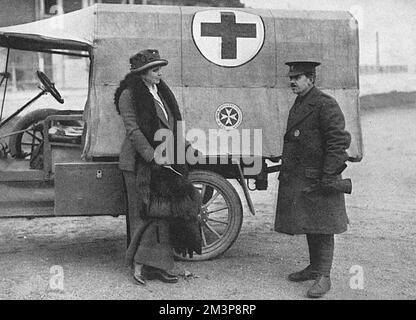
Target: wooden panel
x,y
89,189
64,154
19,170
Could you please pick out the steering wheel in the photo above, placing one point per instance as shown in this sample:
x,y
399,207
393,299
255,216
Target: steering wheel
x,y
49,86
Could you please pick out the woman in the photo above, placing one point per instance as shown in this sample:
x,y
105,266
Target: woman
x,y
146,104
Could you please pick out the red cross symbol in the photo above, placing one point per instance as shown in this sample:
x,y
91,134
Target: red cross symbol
x,y
229,31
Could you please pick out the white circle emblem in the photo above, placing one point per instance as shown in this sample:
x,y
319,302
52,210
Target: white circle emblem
x,y
228,116
228,38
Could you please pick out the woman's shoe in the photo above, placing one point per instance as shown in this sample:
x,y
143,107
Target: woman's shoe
x,y
139,279
158,274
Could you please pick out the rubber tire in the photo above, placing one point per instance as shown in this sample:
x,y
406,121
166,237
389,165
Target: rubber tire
x,y
25,122
234,203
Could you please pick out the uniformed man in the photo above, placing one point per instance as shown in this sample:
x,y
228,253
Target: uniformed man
x,y
314,154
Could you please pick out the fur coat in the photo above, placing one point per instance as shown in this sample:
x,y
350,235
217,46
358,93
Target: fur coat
x,y
163,193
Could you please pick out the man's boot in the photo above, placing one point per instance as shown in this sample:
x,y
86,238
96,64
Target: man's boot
x,y
310,272
304,275
325,254
321,286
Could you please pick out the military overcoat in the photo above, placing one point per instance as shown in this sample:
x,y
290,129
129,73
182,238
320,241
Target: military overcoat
x,y
315,144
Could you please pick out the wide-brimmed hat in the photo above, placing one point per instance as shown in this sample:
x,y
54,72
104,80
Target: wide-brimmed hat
x,y
301,67
146,59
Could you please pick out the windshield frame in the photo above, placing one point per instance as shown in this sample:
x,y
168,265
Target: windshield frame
x,y
5,76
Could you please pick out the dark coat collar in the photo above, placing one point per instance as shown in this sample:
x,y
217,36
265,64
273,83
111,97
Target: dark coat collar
x,y
147,114
305,108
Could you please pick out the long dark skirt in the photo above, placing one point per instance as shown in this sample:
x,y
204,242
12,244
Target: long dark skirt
x,y
149,238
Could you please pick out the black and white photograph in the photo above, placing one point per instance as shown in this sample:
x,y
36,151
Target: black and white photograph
x,y
224,152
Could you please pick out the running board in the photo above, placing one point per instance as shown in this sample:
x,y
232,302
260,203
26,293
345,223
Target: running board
x,y
26,209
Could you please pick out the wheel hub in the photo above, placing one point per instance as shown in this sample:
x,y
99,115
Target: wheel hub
x,y
204,214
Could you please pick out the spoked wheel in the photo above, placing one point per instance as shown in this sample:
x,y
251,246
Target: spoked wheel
x,y
31,144
222,214
23,144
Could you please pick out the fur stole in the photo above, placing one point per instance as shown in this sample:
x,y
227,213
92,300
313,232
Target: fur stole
x,y
144,104
174,198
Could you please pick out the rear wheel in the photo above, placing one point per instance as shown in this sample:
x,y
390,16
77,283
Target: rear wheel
x,y
222,214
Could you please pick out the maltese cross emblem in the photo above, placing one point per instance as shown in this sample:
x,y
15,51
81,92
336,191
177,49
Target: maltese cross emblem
x,y
228,116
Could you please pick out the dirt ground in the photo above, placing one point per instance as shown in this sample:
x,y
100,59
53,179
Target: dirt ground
x,y
374,259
